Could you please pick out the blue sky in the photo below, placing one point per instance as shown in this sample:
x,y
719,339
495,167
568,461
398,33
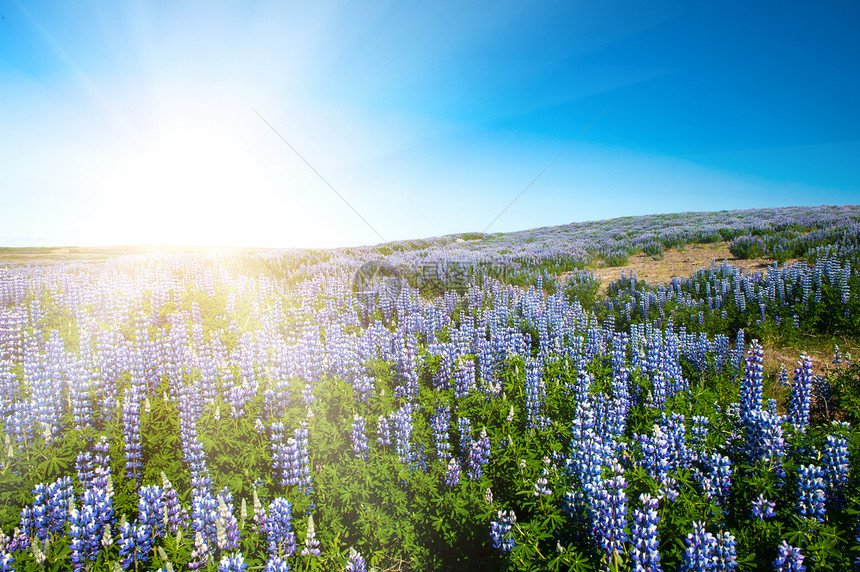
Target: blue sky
x,y
136,122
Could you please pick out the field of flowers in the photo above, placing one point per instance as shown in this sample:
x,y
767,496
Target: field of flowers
x,y
437,404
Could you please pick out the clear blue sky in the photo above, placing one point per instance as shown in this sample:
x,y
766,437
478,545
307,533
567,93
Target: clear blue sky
x,y
134,122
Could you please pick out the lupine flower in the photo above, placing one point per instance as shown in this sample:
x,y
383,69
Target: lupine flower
x,y
356,562
801,393
645,552
401,421
384,431
311,543
232,563
276,564
131,432
452,473
762,508
810,493
227,526
726,552
716,481
788,559
500,530
359,437
176,514
700,551
836,467
281,541
479,455
751,386
541,485
6,561
200,554
610,515
440,422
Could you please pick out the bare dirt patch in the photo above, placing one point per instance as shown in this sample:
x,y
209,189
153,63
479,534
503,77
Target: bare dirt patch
x,y
680,263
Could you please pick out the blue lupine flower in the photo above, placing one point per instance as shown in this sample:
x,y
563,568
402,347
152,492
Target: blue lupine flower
x,y
609,515
645,552
226,525
762,508
479,455
801,393
176,513
726,552
440,422
751,386
356,562
501,530
131,432
810,493
700,551
716,481
452,473
281,541
788,559
384,430
359,437
232,563
836,467
276,564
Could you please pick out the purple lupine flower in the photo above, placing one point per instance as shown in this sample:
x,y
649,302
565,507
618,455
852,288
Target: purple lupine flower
x,y
280,539
133,544
440,422
716,481
359,437
6,561
479,455
280,453
84,468
501,530
464,429
151,516
363,388
87,526
452,473
276,564
836,467
131,432
764,440
726,552
535,387
232,563
801,393
541,487
311,543
610,515
200,554
384,431
699,554
50,509
226,525
176,514
356,562
645,553
810,491
762,508
402,425
788,559
751,385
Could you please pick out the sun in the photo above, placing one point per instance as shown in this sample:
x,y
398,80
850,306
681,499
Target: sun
x,y
203,177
